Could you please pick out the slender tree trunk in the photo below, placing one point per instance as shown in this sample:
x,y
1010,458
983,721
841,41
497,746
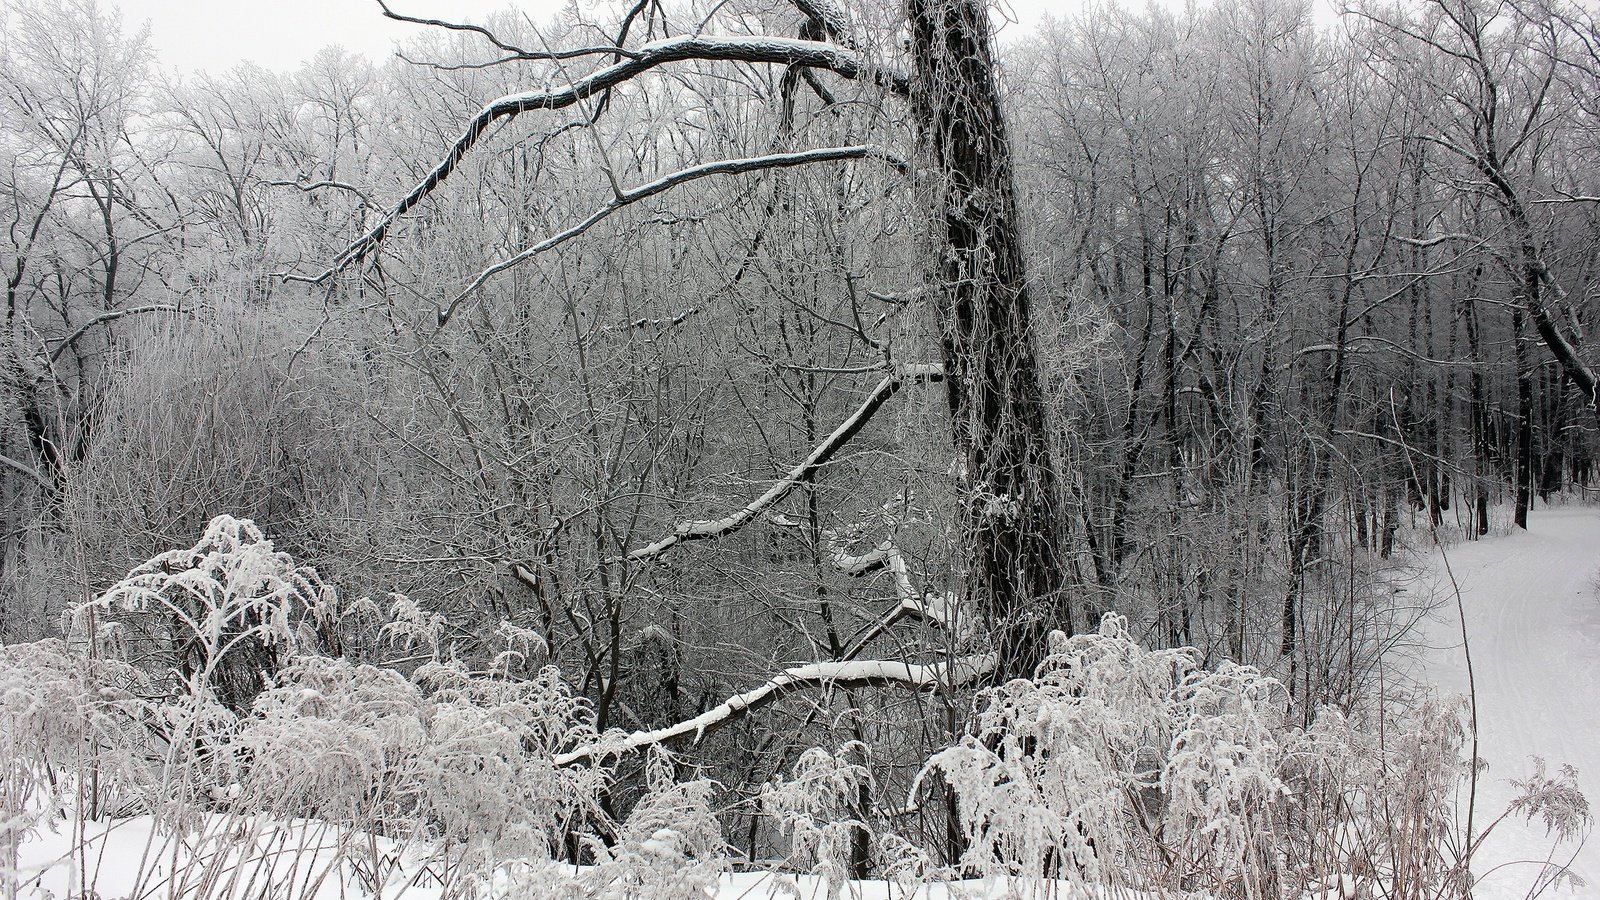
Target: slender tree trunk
x,y
1524,466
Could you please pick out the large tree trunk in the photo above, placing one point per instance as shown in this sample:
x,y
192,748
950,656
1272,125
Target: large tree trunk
x,y
1013,522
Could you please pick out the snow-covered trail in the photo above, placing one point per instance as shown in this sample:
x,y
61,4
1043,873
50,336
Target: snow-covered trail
x,y
1533,625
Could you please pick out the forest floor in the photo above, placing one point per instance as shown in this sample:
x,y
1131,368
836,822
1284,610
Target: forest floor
x,y
1532,612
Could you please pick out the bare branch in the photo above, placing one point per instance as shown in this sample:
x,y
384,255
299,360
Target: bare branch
x,y
661,185
784,51
512,49
831,20
318,185
1434,241
805,471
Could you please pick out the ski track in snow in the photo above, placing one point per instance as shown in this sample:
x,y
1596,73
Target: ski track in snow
x,y
1533,627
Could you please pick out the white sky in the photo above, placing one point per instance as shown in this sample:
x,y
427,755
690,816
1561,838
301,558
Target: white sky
x,y
216,35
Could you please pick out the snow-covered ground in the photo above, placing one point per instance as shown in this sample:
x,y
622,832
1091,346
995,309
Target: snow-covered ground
x,y
311,861
1532,615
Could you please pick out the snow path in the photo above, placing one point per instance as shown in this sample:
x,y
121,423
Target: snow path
x,y
1533,626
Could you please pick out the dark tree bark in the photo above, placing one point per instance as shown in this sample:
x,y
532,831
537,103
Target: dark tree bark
x,y
997,404
1524,466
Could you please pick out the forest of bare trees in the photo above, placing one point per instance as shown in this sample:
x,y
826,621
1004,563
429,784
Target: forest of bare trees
x,y
787,373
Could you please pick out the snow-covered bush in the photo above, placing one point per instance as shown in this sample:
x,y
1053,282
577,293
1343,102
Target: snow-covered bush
x,y
468,761
75,736
221,615
1057,770
73,729
819,810
64,711
670,848
1117,764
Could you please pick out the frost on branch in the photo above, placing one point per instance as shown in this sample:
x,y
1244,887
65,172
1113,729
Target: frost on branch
x,y
223,613
462,757
1110,744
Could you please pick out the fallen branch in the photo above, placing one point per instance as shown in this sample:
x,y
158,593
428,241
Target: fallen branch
x,y
847,674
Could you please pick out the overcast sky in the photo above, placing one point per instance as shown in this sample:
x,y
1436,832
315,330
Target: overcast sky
x,y
281,34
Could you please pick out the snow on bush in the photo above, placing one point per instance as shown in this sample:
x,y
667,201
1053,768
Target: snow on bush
x,y
819,808
451,756
74,732
222,613
1048,777
63,711
1126,765
669,848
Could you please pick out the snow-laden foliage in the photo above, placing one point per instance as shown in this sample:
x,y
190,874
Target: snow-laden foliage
x,y
73,728
819,809
1117,763
669,848
449,756
1054,767
223,613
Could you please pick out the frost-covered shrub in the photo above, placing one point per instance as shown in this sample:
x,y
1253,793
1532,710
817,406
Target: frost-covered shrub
x,y
819,810
74,732
1375,801
1056,770
469,760
66,715
221,615
333,739
1221,780
670,848
1125,764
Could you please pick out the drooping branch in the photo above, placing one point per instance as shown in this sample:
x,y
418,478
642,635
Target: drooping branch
x,y
708,48
662,185
819,457
512,50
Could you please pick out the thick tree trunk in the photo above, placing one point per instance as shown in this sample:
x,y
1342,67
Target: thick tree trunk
x,y
1013,527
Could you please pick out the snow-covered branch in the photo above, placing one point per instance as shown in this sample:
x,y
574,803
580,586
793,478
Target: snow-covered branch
x,y
819,457
24,468
783,51
846,674
104,317
661,185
